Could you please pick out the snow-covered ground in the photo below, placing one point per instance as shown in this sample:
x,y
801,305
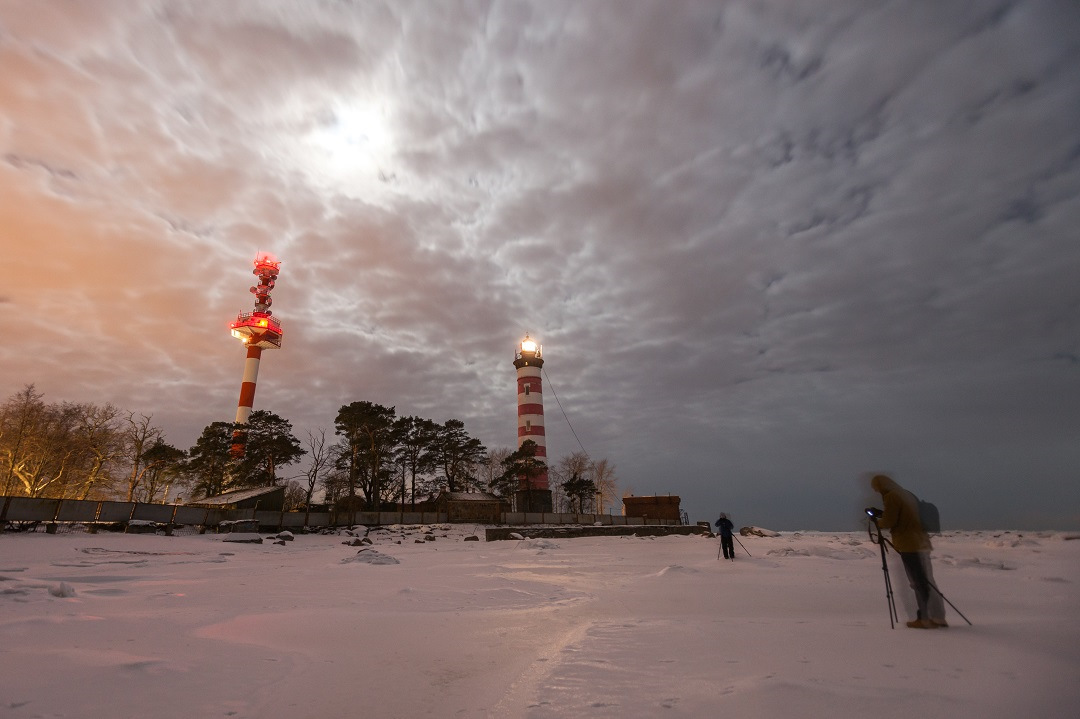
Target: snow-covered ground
x,y
107,625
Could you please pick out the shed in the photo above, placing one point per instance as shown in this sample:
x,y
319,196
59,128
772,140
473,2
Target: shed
x,y
269,499
658,507
479,507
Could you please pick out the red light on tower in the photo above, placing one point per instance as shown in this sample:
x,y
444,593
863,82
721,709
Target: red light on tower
x,y
258,330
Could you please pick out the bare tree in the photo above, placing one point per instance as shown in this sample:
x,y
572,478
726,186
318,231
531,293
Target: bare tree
x,y
295,495
20,419
603,473
139,436
100,439
570,466
39,450
335,482
491,467
321,460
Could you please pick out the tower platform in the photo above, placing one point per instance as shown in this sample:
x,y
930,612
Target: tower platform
x,y
257,329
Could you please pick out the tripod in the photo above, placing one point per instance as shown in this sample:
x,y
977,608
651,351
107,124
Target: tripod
x,y
880,541
740,544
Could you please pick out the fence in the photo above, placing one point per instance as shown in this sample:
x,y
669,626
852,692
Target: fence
x,y
57,511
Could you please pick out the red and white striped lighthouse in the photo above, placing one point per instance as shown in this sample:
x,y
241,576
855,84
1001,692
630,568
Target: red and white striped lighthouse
x,y
534,494
258,330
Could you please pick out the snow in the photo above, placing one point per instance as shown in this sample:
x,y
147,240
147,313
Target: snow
x,y
113,625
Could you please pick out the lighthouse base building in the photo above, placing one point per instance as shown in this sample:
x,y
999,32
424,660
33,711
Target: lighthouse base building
x,y
534,501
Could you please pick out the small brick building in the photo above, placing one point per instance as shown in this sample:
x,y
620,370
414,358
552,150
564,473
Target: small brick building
x,y
660,507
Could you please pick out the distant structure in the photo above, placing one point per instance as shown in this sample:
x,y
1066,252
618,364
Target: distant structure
x,y
258,330
470,507
533,494
268,499
656,507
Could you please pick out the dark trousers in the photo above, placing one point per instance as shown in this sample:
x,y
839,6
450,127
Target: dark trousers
x,y
920,583
728,546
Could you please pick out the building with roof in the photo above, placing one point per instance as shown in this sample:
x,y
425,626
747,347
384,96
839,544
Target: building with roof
x,y
268,499
478,507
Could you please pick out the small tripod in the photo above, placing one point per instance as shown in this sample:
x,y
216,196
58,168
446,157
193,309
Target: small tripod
x,y
718,551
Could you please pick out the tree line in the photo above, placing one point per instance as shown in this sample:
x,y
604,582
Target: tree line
x,y
374,459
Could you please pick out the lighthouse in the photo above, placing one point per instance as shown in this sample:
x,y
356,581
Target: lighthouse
x,y
258,330
533,494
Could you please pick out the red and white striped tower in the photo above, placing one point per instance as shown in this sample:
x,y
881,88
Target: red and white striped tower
x,y
258,330
534,494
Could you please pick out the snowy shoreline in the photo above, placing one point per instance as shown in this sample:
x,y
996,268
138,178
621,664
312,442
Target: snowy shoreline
x,y
105,625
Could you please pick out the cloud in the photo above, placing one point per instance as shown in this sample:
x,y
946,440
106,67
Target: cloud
x,y
766,246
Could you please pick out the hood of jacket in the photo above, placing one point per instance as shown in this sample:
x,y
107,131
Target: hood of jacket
x,y
883,484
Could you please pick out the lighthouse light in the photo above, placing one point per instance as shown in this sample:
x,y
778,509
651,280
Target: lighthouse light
x,y
528,346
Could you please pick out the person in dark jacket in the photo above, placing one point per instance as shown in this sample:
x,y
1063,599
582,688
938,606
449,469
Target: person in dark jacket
x,y
900,516
724,526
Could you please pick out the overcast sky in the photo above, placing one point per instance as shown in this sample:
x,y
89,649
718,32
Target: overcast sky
x,y
767,246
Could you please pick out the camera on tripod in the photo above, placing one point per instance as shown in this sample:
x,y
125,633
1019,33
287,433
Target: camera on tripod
x,y
873,512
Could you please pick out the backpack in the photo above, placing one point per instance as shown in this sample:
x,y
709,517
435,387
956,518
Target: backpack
x,y
929,517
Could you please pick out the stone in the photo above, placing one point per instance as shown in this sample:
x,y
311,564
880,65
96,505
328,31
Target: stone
x,y
370,556
758,532
242,538
240,526
63,590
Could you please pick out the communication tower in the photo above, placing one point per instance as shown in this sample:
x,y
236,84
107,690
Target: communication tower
x,y
258,330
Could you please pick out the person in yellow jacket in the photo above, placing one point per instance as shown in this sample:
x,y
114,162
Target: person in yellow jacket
x,y
900,515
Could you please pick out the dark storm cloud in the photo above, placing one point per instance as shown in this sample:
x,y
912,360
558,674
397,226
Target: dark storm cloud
x,y
767,246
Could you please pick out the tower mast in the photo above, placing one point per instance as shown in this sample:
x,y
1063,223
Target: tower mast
x,y
258,330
